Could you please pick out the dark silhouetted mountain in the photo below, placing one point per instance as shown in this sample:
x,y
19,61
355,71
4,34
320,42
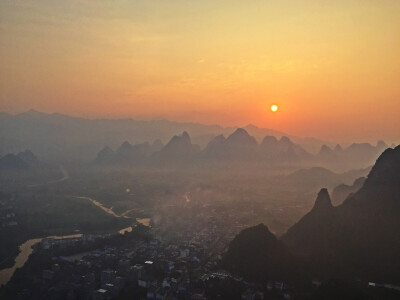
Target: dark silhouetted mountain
x,y
156,146
128,153
382,186
361,236
338,149
124,152
30,158
285,142
310,144
31,114
216,148
241,138
325,151
362,152
283,150
327,155
257,254
238,146
259,133
361,149
311,228
270,148
141,151
323,201
178,149
291,151
358,239
55,136
357,155
316,176
13,163
381,145
342,191
269,142
125,148
105,156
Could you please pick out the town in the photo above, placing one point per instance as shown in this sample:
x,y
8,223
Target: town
x,y
175,258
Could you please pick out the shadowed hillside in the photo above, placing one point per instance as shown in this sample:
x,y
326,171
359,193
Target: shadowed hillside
x,y
358,239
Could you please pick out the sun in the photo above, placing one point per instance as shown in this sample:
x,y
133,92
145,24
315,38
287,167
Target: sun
x,y
274,107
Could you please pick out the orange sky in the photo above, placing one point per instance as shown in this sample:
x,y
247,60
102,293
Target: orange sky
x,y
333,67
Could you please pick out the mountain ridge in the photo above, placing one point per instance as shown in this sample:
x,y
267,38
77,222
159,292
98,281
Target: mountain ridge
x,y
63,136
357,239
361,233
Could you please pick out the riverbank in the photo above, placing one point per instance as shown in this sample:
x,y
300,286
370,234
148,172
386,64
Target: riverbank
x,y
26,249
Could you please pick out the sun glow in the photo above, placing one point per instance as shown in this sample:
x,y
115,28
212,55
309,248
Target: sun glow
x,y
274,108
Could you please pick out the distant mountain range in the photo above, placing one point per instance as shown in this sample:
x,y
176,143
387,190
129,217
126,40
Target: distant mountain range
x,y
22,161
356,151
342,191
357,239
314,178
238,146
13,162
57,136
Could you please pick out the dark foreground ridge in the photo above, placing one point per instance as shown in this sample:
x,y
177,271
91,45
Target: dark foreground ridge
x,y
256,253
358,239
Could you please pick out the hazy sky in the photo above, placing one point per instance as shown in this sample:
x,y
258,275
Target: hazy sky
x,y
333,67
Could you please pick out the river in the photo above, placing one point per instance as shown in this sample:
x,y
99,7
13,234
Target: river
x,y
143,221
98,204
25,251
26,248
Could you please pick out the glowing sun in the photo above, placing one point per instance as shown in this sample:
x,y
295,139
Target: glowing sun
x,y
274,108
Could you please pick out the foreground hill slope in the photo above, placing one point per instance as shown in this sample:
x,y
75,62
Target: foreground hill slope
x,y
359,237
257,254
